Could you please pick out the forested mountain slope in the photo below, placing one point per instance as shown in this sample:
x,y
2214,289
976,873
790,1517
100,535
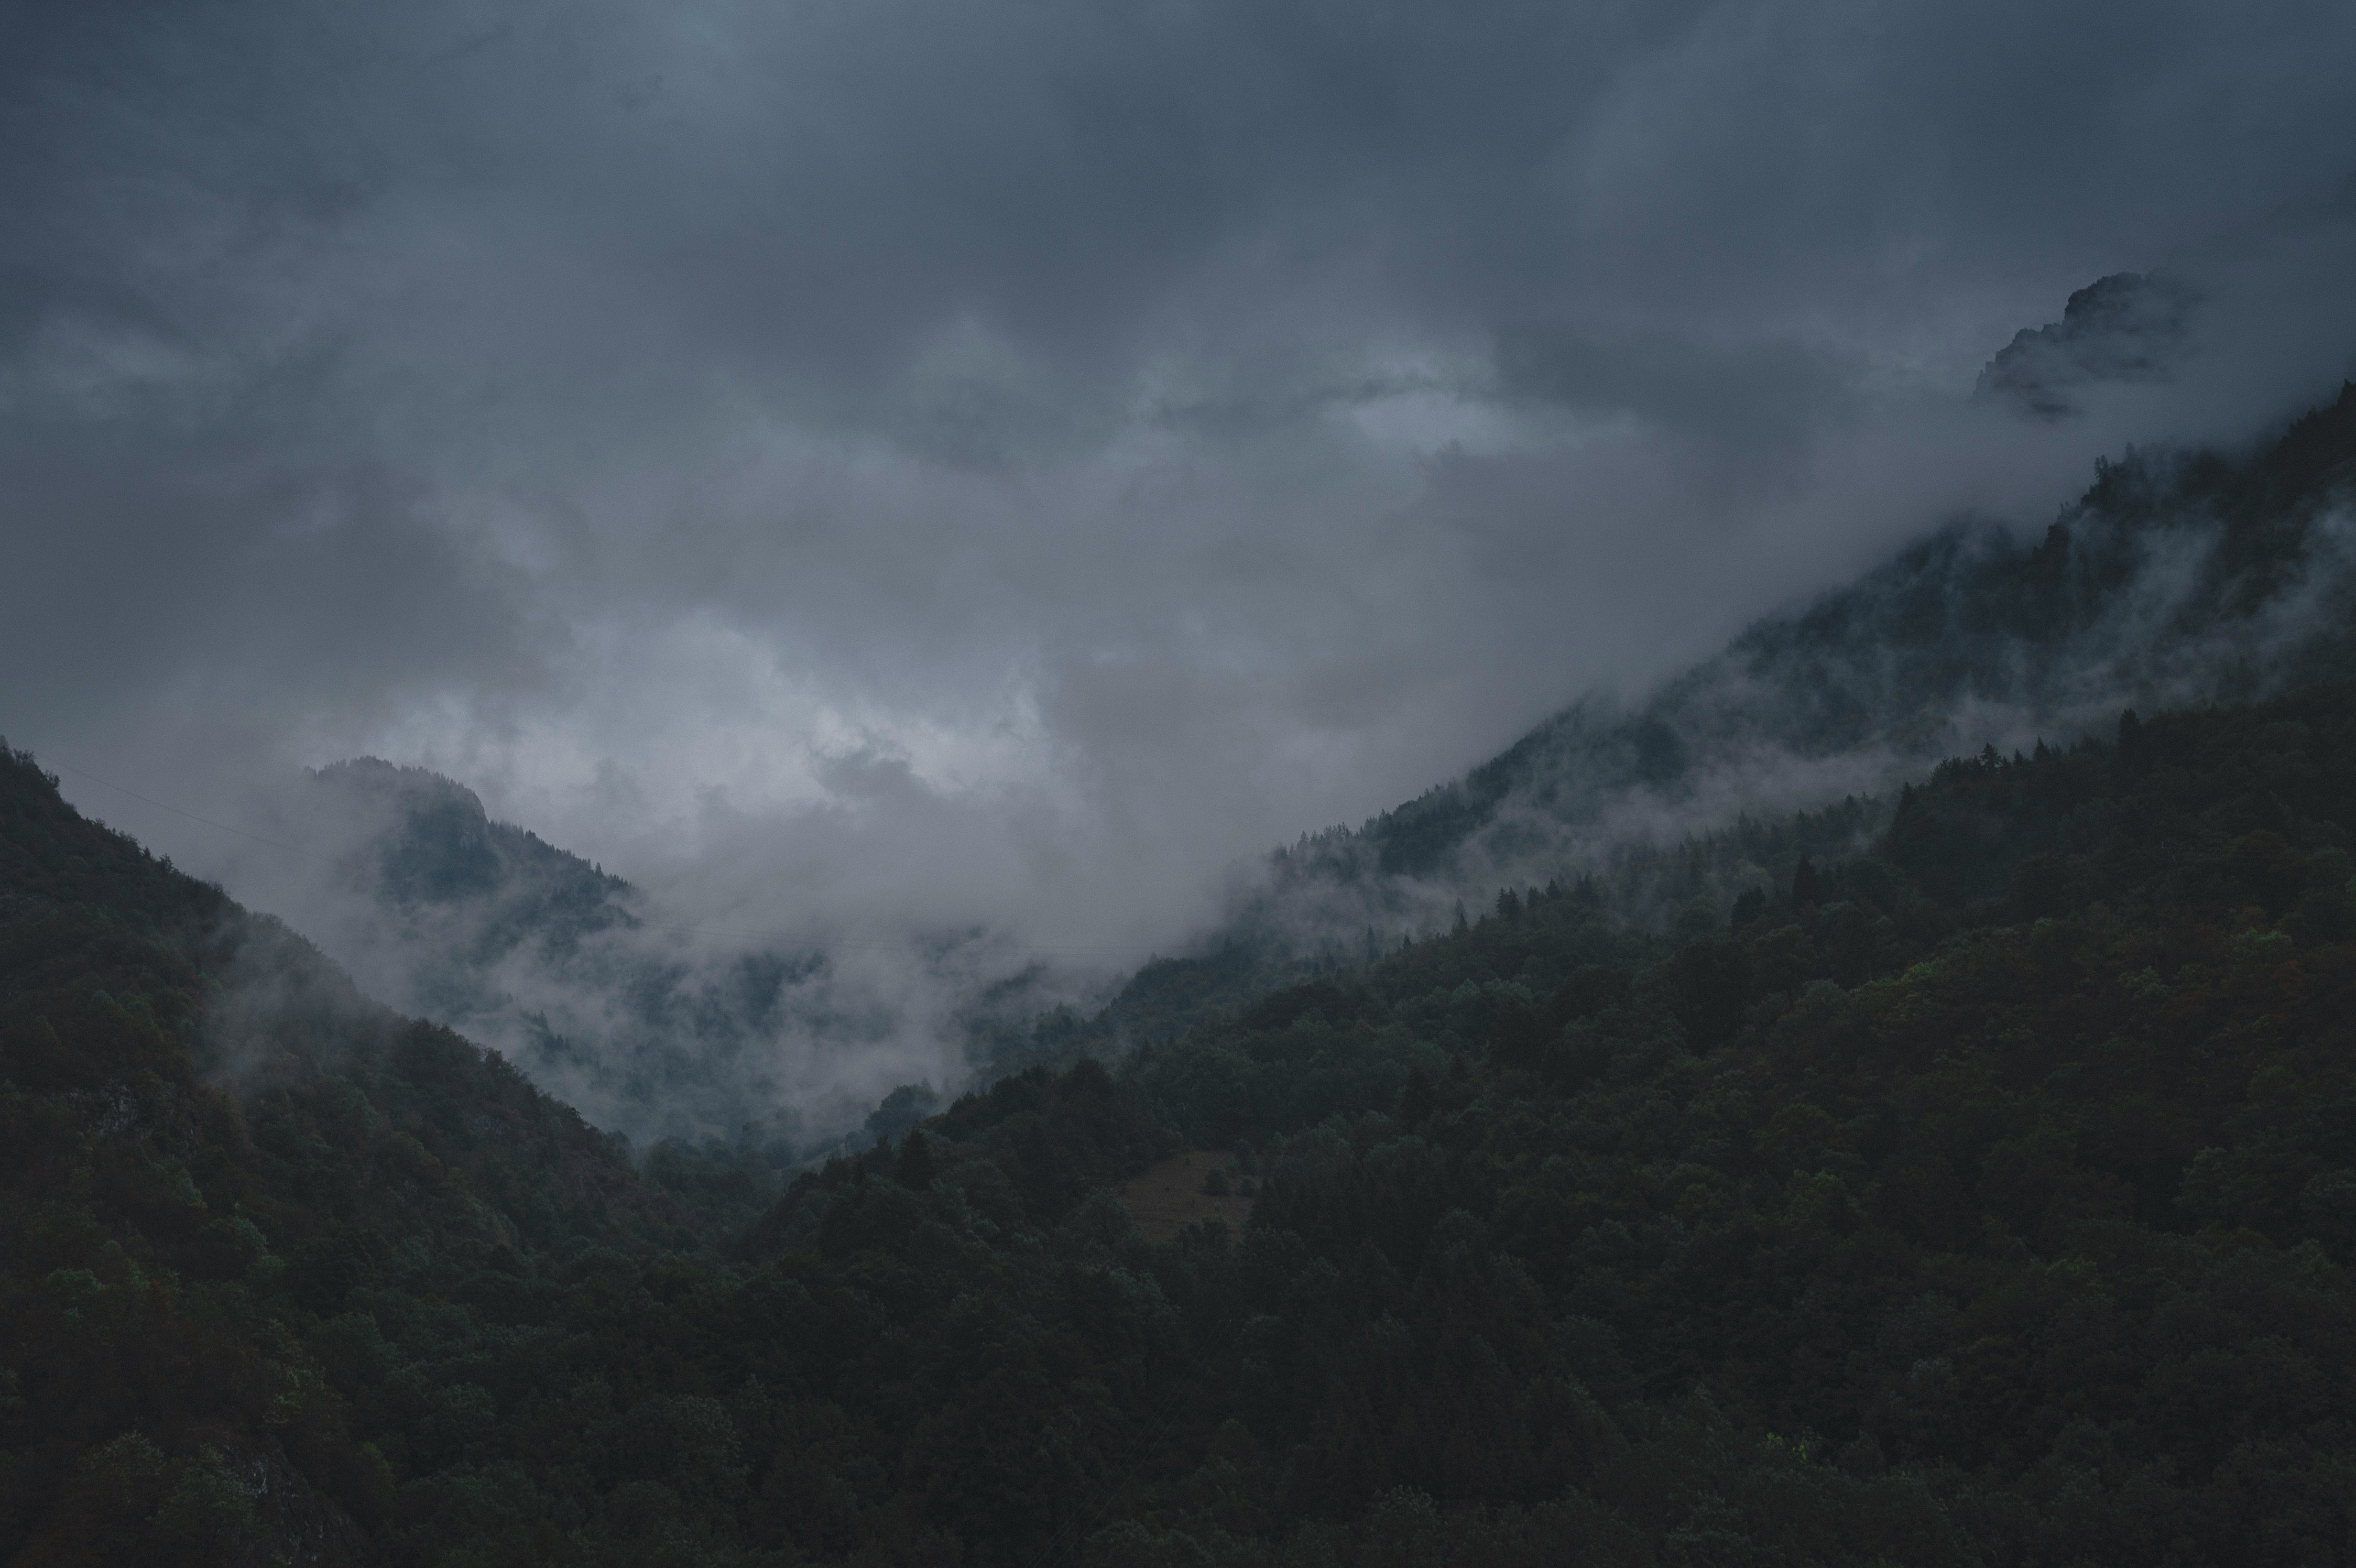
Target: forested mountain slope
x,y
482,925
205,1129
2176,577
1982,1198
1972,1200
417,842
651,1022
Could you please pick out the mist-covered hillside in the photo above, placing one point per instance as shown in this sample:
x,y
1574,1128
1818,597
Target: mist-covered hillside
x,y
2177,577
205,1125
439,846
453,896
654,1027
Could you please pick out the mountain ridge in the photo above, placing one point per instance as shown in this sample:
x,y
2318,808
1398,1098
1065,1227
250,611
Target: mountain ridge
x,y
1969,616
2177,575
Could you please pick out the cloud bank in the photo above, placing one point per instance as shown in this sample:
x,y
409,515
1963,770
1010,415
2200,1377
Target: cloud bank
x,y
861,467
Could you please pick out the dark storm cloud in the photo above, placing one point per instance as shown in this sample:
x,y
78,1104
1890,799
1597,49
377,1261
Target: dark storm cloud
x,y
1001,463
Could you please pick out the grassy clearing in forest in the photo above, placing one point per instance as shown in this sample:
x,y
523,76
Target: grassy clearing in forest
x,y
1170,1197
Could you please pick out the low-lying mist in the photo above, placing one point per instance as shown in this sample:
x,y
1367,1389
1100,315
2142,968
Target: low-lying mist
x,y
653,1025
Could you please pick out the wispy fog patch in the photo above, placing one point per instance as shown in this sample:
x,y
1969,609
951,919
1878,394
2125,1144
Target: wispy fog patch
x,y
751,1017
2169,585
279,1009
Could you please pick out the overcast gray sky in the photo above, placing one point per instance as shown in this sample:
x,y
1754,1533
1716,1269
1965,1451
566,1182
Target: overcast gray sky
x,y
875,460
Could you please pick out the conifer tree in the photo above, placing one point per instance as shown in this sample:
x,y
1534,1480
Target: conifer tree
x,y
914,1169
1417,1100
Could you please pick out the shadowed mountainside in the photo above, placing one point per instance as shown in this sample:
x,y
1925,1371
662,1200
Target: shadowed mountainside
x,y
203,1124
1985,1199
659,1027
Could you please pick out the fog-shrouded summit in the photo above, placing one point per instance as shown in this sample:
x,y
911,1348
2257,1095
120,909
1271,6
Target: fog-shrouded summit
x,y
2127,327
654,1026
2179,577
428,841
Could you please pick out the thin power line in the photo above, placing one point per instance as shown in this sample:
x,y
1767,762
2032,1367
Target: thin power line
x,y
192,817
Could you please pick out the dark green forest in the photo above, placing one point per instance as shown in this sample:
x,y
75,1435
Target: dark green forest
x,y
1987,1197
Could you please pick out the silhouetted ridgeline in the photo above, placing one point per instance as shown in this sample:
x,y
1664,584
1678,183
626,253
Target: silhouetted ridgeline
x,y
1988,1196
2126,327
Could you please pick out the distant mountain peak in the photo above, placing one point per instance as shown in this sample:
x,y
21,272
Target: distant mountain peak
x,y
426,839
375,777
2127,328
